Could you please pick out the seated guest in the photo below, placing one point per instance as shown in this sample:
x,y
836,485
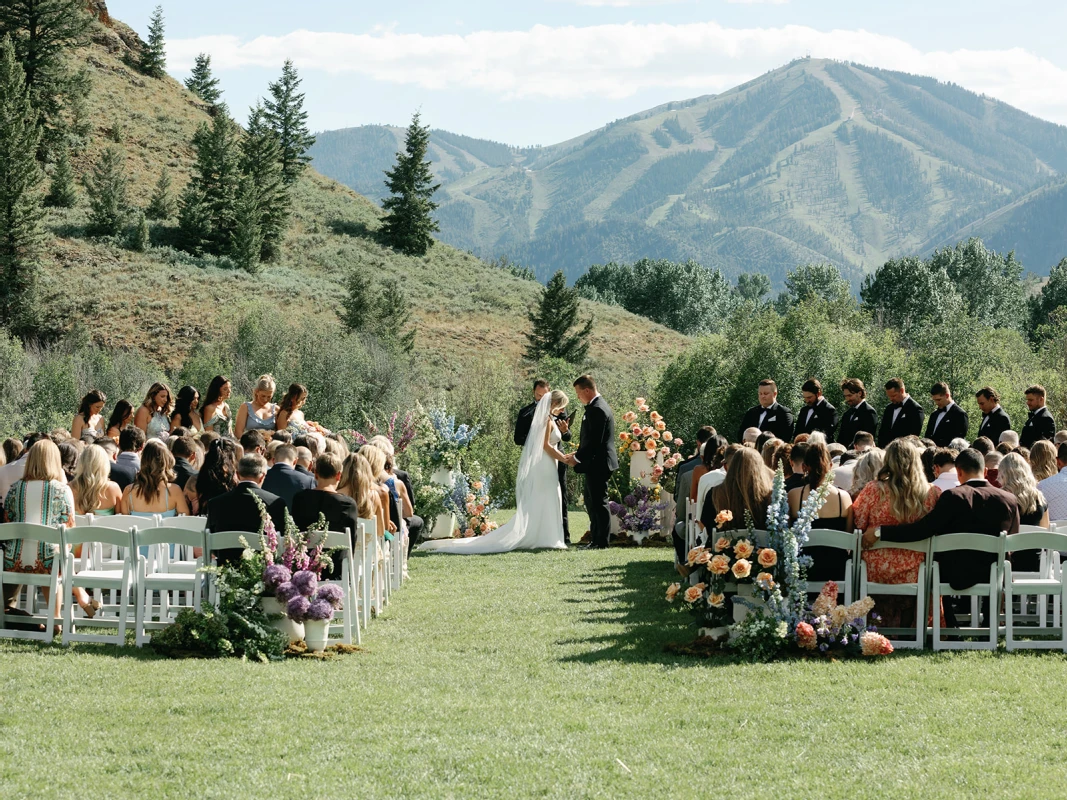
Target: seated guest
x,y
12,450
153,416
216,417
945,476
716,454
236,510
948,421
1004,448
845,469
802,439
863,442
836,450
995,419
218,475
684,478
185,414
817,415
414,522
16,468
68,457
290,414
253,442
153,490
184,452
1060,437
749,437
260,413
1016,477
388,494
93,490
900,494
972,507
312,442
269,451
88,417
1039,423
959,445
357,481
982,445
859,417
283,479
336,445
285,437
768,415
747,487
769,450
762,439
818,437
992,466
828,563
1054,488
1043,460
797,458
304,460
1011,438
341,512
701,469
110,448
128,461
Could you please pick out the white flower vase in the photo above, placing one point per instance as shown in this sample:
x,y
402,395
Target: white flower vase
x,y
715,633
747,591
272,605
445,524
316,634
641,467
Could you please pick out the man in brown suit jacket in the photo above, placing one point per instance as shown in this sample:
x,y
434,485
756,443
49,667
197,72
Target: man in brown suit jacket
x,y
972,507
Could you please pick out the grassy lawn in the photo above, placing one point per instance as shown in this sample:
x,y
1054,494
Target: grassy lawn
x,y
528,675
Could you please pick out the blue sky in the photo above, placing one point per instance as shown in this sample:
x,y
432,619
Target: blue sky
x,y
543,71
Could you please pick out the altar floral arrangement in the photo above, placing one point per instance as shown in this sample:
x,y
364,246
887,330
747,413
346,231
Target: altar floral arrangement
x,y
444,440
471,501
639,510
645,431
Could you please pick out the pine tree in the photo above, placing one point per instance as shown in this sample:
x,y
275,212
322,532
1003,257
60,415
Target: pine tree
x,y
246,244
20,203
217,176
202,83
61,192
153,62
392,307
286,116
108,190
408,222
194,220
43,32
161,206
140,238
358,309
261,161
552,320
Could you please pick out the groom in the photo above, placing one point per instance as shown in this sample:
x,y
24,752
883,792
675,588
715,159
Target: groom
x,y
595,458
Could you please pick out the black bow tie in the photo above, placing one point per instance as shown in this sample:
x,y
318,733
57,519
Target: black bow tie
x,y
897,405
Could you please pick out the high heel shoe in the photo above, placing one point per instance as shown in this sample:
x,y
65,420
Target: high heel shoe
x,y
89,609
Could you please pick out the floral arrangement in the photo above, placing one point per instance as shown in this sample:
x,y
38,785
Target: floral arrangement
x,y
470,500
305,599
648,433
401,432
445,441
829,627
640,509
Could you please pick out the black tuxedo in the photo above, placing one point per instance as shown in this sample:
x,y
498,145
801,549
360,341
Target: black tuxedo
x,y
994,423
823,418
523,422
972,507
778,420
1039,425
953,425
861,418
597,459
184,470
237,511
909,422
283,480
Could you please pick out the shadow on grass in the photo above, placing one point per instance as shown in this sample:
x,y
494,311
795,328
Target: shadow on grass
x,y
359,230
56,648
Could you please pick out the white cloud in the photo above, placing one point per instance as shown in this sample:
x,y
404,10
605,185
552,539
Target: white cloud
x,y
620,60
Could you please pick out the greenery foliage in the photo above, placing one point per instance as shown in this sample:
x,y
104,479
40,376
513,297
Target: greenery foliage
x,y
284,113
108,190
153,62
61,191
408,223
202,83
161,206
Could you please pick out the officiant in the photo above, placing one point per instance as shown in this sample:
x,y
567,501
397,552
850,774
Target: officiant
x,y
522,431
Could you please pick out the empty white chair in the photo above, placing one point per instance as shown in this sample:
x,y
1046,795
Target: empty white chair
x,y
331,540
120,580
950,543
839,540
10,534
184,559
154,574
917,636
1047,583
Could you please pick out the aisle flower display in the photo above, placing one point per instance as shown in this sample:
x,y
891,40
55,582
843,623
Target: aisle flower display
x,y
472,503
639,511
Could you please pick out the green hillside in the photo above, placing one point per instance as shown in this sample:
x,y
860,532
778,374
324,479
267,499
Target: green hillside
x,y
819,160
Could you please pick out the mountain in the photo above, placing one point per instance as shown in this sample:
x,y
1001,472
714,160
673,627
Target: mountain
x,y
164,302
816,161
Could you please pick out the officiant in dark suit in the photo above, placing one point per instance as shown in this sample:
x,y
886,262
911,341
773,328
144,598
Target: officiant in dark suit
x,y
860,415
817,414
769,415
902,417
1040,423
596,458
995,420
522,431
948,421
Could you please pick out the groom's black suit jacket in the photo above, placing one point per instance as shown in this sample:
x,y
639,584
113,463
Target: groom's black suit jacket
x,y
596,453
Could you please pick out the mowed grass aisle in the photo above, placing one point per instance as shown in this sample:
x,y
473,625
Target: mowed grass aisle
x,y
529,675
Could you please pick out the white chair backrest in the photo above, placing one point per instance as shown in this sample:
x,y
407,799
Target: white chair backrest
x,y
922,546
825,537
980,542
196,524
330,539
369,527
167,535
123,522
95,533
49,534
1031,529
232,540
1039,539
81,520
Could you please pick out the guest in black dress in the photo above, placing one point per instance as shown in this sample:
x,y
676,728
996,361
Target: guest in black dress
x,y
828,563
340,511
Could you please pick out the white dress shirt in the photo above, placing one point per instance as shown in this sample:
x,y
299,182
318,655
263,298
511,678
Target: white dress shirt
x,y
843,475
947,480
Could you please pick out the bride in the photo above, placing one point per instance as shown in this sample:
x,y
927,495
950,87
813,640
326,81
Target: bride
x,y
538,520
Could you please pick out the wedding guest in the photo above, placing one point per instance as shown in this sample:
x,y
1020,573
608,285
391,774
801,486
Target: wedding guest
x,y
290,414
900,494
746,488
945,476
1016,477
109,447
817,414
750,436
1039,424
184,452
768,415
260,413
1054,487
237,509
782,459
982,445
185,413
285,437
253,442
717,453
828,563
358,482
12,450
414,522
863,442
153,416
959,445
216,409
802,439
797,458
845,469
128,462
283,479
684,478
92,488
992,468
219,473
89,417
121,416
268,453
1043,460
1011,439
995,419
340,511
388,494
761,441
711,447
859,417
836,450
304,460
902,417
336,445
948,421
68,458
310,441
1058,439
769,450
153,490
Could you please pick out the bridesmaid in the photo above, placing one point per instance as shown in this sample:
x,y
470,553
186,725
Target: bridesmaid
x,y
121,416
289,410
216,410
89,417
185,411
260,413
153,417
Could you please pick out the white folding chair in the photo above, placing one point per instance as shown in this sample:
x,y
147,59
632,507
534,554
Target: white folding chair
x,y
120,580
154,574
368,543
983,543
184,559
1047,583
226,540
332,540
917,637
10,533
838,540
109,556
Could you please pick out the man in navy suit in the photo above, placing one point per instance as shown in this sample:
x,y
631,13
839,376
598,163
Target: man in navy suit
x,y
1040,423
995,420
948,421
902,417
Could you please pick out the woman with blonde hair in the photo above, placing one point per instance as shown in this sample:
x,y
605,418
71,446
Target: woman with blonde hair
x,y
747,488
153,417
901,494
153,490
94,491
1016,477
260,412
359,483
1043,460
376,461
867,470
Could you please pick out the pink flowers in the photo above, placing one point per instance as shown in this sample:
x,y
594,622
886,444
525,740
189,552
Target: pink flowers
x,y
635,447
724,516
668,436
677,442
650,444
874,644
742,568
806,638
767,557
661,426
629,417
665,451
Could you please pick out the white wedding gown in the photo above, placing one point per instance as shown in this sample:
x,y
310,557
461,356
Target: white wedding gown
x,y
538,520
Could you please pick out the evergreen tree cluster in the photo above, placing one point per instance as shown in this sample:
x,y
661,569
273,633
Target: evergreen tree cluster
x,y
382,312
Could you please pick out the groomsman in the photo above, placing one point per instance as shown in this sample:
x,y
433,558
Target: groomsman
x,y
902,417
948,421
768,415
995,420
817,414
1039,424
860,415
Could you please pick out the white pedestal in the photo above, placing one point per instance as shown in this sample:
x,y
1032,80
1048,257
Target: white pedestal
x,y
641,467
445,524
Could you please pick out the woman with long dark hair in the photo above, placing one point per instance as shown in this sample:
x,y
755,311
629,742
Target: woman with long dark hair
x,y
216,410
219,473
89,417
289,414
185,411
